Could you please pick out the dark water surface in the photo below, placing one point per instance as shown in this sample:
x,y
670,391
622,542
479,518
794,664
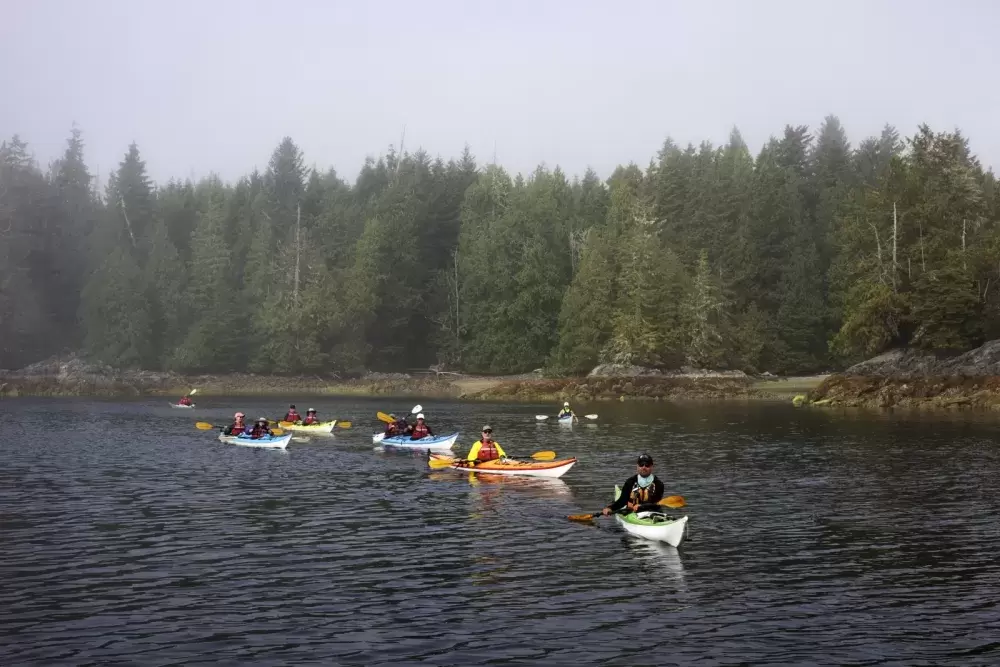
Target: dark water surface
x,y
129,537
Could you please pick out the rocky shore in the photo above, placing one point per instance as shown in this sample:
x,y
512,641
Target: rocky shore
x,y
909,378
76,377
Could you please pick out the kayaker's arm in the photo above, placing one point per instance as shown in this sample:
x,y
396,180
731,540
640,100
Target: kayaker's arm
x,y
474,451
622,501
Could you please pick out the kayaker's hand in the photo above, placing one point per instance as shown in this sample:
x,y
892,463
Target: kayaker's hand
x,y
606,511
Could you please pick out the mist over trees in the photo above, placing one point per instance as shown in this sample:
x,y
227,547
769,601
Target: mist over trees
x,y
810,255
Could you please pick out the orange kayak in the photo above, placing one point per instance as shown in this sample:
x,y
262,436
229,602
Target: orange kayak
x,y
510,466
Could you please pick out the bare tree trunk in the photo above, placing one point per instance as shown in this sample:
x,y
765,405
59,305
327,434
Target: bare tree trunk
x,y
458,321
964,265
298,220
878,255
894,227
128,225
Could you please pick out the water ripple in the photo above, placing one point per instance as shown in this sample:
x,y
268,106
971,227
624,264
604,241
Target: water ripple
x,y
816,538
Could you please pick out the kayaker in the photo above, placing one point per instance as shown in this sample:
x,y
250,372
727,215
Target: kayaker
x,y
292,415
186,400
486,448
260,429
566,412
640,492
398,427
311,417
238,427
420,429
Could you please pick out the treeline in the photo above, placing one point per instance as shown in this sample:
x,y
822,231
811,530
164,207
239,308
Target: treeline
x,y
811,254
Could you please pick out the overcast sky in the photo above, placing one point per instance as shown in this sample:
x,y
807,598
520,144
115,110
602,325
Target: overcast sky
x,y
213,85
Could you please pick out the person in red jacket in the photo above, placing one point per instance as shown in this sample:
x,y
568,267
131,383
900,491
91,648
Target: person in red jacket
x,y
420,429
186,400
311,417
292,415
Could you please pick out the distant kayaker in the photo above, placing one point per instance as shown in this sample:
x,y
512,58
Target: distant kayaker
x,y
238,427
641,491
292,415
486,448
260,429
420,429
566,412
311,417
185,401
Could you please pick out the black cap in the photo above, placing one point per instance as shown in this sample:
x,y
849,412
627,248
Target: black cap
x,y
644,459
292,407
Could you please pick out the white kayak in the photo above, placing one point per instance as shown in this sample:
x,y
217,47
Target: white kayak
x,y
323,428
655,526
272,442
186,407
440,443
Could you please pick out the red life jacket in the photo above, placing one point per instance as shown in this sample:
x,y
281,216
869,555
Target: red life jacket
x,y
184,401
311,419
487,451
259,432
420,431
292,416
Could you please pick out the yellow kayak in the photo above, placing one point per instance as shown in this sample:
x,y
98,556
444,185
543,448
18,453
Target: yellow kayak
x,y
323,428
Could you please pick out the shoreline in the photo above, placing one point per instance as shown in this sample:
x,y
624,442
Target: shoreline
x,y
518,388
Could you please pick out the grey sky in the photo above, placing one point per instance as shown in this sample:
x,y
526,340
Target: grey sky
x,y
213,85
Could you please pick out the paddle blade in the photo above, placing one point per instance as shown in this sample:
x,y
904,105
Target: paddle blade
x,y
384,417
673,501
541,418
203,426
285,424
440,463
544,456
344,424
277,431
581,517
591,416
416,409
192,392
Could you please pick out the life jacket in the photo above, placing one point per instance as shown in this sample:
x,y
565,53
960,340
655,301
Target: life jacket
x,y
311,419
184,401
420,431
258,432
488,451
292,416
236,429
641,495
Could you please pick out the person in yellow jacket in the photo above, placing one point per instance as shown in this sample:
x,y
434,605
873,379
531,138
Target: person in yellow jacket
x,y
486,449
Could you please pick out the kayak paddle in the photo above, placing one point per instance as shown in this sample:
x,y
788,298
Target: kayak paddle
x,y
674,502
416,409
542,418
285,424
205,426
546,455
384,417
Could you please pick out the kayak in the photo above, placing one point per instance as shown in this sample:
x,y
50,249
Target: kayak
x,y
439,443
512,467
568,419
272,442
655,526
178,405
323,428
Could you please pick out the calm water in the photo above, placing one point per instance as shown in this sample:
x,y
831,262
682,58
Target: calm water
x,y
129,537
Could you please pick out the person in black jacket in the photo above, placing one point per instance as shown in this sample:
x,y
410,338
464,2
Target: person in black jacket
x,y
640,492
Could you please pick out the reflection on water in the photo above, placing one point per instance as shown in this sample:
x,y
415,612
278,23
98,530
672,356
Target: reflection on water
x,y
815,537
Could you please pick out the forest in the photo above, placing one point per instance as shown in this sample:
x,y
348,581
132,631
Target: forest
x,y
810,255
